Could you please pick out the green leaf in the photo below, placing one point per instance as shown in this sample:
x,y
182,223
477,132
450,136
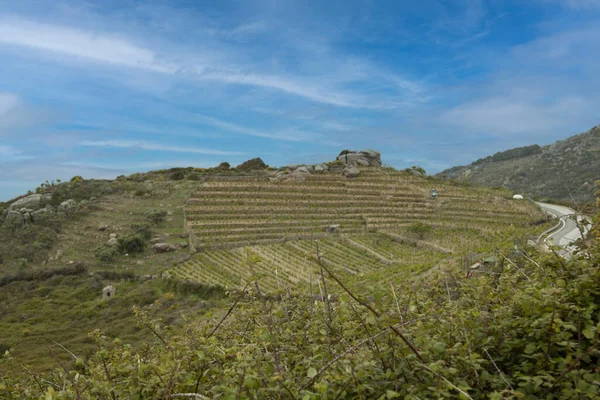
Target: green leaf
x,y
530,348
390,394
561,283
311,373
589,332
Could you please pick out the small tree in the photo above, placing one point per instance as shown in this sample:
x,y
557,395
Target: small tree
x,y
156,216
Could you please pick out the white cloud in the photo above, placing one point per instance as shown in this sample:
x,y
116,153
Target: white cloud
x,y
79,43
203,64
156,147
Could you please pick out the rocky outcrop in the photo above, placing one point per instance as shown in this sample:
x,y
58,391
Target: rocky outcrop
x,y
33,202
364,157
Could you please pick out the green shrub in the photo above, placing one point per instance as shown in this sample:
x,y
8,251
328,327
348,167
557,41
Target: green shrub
x,y
156,216
177,176
143,230
133,243
193,176
105,253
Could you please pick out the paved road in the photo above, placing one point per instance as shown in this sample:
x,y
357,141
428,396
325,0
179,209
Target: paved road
x,y
567,232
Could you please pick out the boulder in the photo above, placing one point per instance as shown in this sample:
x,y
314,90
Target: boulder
x,y
156,240
164,247
67,205
14,218
103,227
302,170
112,241
319,168
350,171
112,235
33,201
367,157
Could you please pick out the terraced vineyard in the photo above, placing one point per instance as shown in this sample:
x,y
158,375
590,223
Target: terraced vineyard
x,y
281,223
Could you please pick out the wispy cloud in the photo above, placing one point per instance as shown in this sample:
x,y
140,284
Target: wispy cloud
x,y
143,145
285,135
9,153
79,43
114,50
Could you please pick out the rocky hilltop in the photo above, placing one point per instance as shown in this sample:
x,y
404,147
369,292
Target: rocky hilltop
x,y
347,163
564,170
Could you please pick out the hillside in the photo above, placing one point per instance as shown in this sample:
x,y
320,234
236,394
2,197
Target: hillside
x,y
185,241
565,170
309,280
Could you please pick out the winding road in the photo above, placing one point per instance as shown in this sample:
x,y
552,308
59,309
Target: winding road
x,y
567,231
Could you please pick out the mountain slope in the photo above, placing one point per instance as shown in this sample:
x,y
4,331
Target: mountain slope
x,y
564,170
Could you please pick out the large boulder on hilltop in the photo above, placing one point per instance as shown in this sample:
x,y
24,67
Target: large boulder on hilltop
x,y
33,202
364,157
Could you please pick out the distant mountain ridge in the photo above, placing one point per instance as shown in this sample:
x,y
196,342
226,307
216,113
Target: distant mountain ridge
x,y
564,170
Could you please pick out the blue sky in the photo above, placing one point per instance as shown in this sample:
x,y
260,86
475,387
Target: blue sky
x,y
105,88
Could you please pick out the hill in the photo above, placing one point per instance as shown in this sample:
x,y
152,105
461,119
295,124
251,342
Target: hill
x,y
341,279
565,170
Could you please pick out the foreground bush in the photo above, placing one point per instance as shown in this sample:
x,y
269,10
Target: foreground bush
x,y
530,332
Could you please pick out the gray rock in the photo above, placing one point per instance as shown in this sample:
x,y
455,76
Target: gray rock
x,y
14,218
156,240
325,167
310,168
365,157
350,171
112,235
112,241
103,227
32,202
67,205
302,170
39,213
319,168
164,247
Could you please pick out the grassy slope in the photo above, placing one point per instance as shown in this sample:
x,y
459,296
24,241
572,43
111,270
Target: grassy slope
x,y
65,309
